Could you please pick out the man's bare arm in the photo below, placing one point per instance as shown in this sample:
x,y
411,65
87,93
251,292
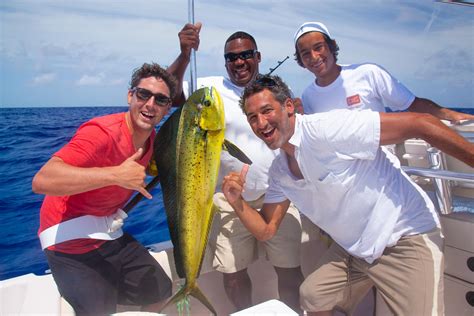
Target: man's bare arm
x,y
421,105
58,178
264,224
398,127
188,40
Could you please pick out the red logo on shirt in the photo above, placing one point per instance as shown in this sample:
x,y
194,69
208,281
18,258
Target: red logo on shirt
x,y
354,99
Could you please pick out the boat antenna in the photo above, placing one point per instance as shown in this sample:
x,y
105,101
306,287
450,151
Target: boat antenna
x,y
460,2
193,82
279,64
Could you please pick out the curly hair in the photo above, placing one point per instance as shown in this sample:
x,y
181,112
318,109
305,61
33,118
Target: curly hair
x,y
154,70
274,84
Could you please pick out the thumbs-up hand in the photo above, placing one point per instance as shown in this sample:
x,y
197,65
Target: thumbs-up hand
x,y
131,175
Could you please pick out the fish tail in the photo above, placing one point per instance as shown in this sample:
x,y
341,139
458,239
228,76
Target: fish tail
x,y
199,295
180,296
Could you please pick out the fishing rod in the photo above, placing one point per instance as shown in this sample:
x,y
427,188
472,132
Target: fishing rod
x,y
193,82
138,197
279,64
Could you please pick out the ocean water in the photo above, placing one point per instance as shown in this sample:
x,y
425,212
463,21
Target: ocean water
x,y
28,138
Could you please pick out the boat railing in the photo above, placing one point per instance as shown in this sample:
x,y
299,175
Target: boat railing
x,y
467,135
441,178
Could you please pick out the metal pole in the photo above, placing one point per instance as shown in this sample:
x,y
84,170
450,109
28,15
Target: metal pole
x,y
193,82
442,187
440,174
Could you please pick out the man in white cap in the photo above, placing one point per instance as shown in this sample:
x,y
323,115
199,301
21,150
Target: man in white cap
x,y
354,86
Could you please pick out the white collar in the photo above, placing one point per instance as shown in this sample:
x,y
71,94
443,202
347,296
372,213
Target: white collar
x,y
295,139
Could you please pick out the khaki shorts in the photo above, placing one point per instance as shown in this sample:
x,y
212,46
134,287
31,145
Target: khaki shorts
x,y
235,248
409,277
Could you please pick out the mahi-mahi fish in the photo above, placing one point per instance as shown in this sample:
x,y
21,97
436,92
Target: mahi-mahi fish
x,y
187,152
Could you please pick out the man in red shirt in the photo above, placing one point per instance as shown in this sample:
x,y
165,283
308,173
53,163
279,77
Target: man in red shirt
x,y
88,181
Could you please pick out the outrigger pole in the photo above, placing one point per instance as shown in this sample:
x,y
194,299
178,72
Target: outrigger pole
x,y
193,82
192,87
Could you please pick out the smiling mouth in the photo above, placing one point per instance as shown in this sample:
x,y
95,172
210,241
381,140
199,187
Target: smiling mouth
x,y
269,133
317,64
147,115
241,70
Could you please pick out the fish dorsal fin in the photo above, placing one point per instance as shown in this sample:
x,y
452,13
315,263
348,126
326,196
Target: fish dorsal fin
x,y
235,152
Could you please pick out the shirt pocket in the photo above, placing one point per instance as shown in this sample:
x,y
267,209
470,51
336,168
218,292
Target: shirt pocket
x,y
328,178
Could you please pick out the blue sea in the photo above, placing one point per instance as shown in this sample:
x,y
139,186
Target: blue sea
x,y
28,138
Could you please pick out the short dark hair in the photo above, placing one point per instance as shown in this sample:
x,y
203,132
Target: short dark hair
x,y
274,84
333,47
154,70
243,35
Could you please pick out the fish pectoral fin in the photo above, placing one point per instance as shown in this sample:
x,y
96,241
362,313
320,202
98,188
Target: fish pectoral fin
x,y
236,152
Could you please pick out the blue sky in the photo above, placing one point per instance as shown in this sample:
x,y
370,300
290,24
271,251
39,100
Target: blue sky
x,y
82,53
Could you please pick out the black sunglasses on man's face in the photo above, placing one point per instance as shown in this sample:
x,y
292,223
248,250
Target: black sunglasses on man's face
x,y
265,81
144,95
246,54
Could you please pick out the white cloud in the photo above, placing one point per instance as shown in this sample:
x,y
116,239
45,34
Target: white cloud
x,y
44,78
100,79
118,82
102,42
87,80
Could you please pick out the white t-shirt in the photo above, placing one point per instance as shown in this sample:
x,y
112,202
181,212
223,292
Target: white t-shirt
x,y
238,132
359,86
351,188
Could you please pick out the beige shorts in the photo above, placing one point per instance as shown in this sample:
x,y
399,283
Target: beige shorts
x,y
235,248
409,277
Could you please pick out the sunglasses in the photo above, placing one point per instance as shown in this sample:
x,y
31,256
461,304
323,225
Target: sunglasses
x,y
265,81
246,54
144,95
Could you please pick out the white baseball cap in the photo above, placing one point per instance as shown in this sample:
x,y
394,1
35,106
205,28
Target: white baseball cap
x,y
311,27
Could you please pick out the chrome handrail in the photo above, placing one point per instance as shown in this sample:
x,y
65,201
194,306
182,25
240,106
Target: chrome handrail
x,y
441,174
442,187
441,178
467,135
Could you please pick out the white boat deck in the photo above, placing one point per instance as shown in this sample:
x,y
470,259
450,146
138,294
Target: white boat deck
x,y
38,295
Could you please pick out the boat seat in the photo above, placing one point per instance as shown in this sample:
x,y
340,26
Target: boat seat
x,y
270,307
19,296
414,154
